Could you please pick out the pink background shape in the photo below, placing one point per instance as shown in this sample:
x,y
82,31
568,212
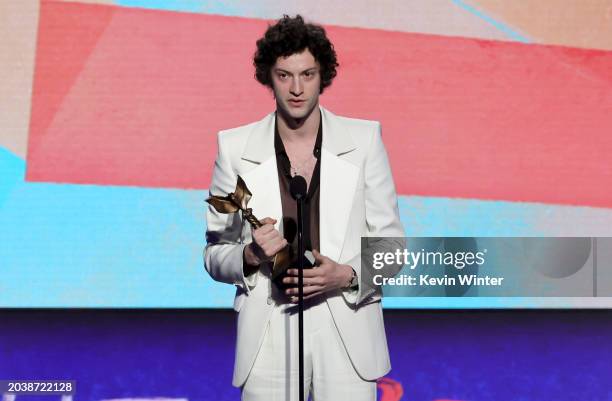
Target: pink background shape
x,y
461,117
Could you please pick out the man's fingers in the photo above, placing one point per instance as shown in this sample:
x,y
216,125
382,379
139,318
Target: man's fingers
x,y
263,230
307,280
268,220
307,272
268,226
269,236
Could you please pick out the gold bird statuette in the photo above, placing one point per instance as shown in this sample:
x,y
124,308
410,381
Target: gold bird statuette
x,y
238,201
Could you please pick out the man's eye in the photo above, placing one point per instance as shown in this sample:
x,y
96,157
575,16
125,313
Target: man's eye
x,y
282,76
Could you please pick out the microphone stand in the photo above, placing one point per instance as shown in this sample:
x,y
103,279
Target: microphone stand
x,y
298,192
300,217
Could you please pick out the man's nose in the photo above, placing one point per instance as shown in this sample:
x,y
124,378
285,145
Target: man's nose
x,y
296,87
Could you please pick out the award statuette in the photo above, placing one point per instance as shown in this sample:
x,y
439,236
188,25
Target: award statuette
x,y
237,201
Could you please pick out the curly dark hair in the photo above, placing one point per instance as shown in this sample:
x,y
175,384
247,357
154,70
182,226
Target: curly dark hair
x,y
289,36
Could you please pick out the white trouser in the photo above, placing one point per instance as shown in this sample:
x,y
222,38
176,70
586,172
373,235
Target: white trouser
x,y
328,372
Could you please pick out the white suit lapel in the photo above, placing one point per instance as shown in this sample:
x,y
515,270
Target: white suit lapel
x,y
262,178
337,186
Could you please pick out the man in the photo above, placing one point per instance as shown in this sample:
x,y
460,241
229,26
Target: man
x,y
350,194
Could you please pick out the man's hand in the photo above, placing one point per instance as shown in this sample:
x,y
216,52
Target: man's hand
x,y
326,276
267,242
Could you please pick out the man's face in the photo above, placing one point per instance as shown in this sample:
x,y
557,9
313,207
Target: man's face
x,y
296,82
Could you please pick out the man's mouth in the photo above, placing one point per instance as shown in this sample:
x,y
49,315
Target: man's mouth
x,y
296,103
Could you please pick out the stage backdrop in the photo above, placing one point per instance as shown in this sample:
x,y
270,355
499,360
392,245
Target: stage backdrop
x,y
496,116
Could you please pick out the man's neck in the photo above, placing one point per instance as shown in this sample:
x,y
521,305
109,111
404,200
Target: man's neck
x,y
304,130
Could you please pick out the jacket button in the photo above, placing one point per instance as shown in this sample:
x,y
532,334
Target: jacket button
x,y
270,301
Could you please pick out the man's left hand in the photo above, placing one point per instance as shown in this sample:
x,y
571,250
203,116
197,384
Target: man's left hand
x,y
326,276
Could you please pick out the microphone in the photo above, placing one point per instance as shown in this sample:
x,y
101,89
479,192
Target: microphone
x,y
297,187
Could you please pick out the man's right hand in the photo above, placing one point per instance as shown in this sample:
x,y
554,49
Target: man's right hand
x,y
267,242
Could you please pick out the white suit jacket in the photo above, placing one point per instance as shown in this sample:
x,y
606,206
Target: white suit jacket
x,y
357,198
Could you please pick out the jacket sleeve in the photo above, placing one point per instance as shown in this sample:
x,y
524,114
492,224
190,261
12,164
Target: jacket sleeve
x,y
223,254
382,220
